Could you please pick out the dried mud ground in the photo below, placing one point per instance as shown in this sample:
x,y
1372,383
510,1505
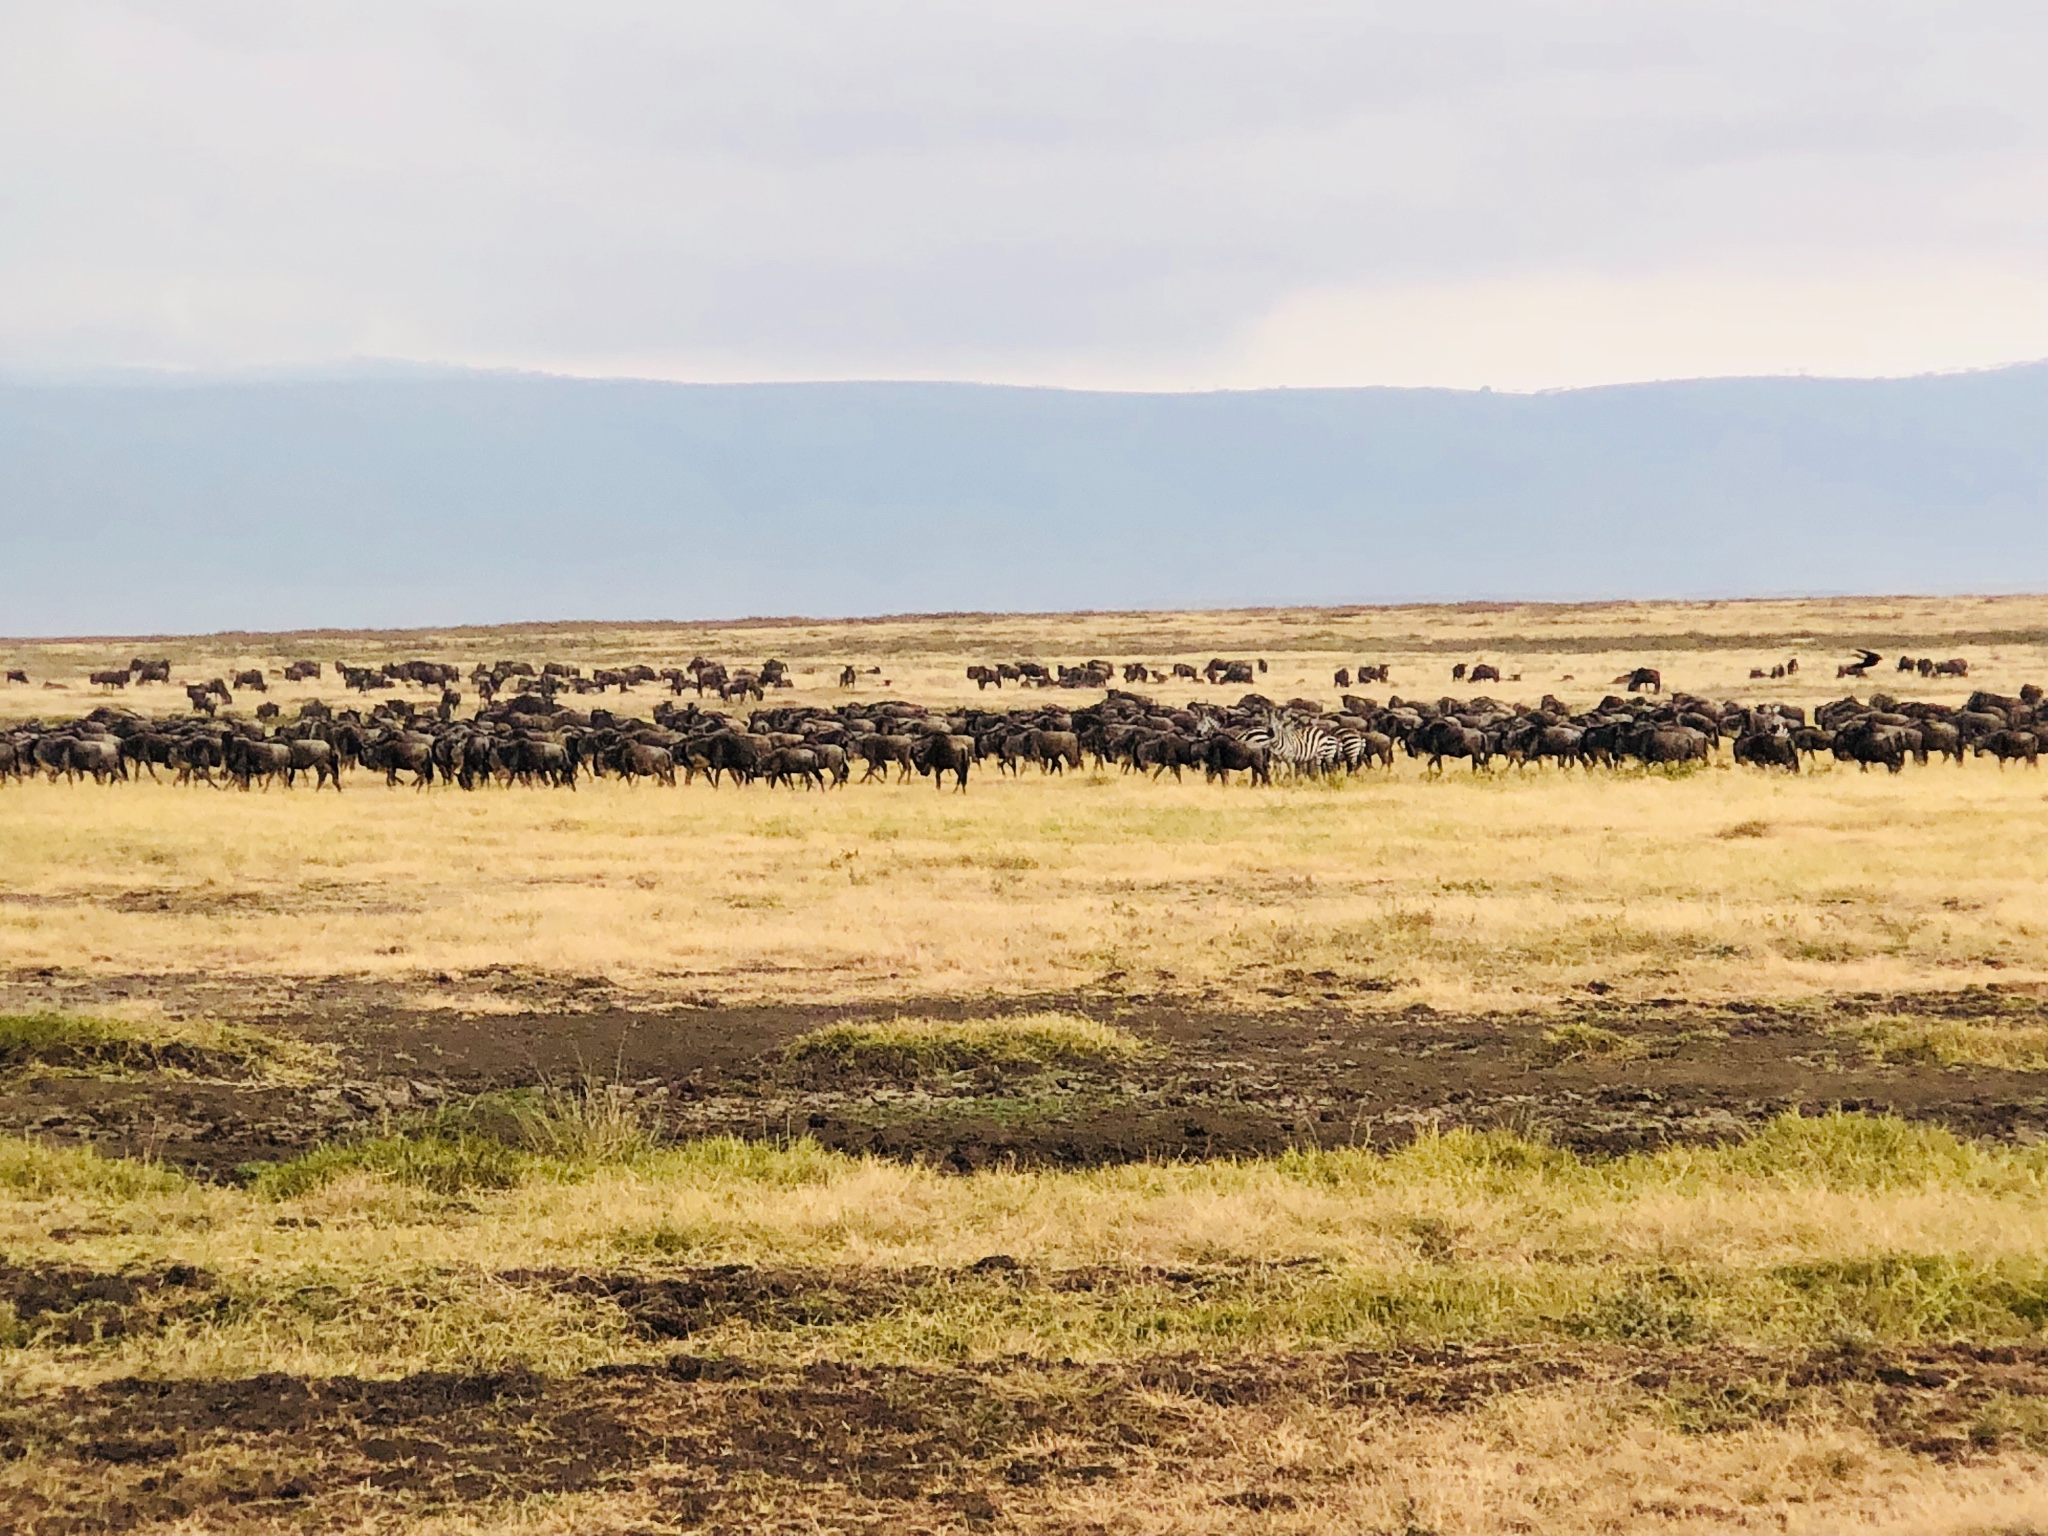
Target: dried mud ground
x,y
1640,1428
1327,1072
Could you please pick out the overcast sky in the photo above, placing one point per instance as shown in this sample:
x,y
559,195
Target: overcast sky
x,y
1181,195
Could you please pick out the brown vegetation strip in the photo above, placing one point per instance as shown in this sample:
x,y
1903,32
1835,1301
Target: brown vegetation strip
x,y
117,1454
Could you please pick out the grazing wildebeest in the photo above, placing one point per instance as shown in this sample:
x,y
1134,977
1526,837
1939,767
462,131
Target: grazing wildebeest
x,y
1485,672
1458,673
251,678
1864,661
848,677
17,675
1641,678
111,679
1342,678
301,671
158,671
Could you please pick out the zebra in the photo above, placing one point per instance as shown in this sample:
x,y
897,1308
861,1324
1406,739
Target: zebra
x,y
1304,746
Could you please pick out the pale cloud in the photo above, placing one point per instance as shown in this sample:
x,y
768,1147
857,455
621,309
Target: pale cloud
x,y
1550,332
1179,195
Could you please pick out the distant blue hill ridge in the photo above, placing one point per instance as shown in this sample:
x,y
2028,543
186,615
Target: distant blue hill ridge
x,y
136,505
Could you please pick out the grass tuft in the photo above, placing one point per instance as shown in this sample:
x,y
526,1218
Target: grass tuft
x,y
85,1043
29,1168
912,1046
1958,1043
1576,1042
492,1142
439,1162
1850,1152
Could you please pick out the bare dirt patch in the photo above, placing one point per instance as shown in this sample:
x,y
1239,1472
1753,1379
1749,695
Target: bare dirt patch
x,y
705,1437
1212,1082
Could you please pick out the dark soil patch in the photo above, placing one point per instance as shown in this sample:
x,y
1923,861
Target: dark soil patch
x,y
62,1304
697,1430
1221,1083
677,1305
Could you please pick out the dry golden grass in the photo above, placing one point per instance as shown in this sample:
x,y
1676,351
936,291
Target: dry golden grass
x,y
1470,891
391,1254
1814,1233
1572,650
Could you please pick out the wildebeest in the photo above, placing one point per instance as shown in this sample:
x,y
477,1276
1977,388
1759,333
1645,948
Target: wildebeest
x,y
1055,750
17,675
1641,678
110,679
251,678
637,760
940,754
788,765
317,758
1223,755
2011,746
1767,749
879,751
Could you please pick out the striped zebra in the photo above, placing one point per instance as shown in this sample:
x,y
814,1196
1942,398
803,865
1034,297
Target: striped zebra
x,y
1305,747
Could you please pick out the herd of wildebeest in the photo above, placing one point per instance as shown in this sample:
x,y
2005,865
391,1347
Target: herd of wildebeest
x,y
521,732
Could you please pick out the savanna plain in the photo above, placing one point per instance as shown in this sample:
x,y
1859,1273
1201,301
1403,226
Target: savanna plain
x,y
1511,1151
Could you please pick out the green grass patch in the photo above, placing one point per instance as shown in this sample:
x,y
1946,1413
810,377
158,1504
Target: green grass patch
x,y
493,1141
1957,1043
920,1046
442,1163
73,1042
36,1171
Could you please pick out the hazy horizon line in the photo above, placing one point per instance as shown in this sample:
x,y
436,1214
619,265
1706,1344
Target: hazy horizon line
x,y
380,369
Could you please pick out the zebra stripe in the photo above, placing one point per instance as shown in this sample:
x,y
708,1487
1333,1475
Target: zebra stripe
x,y
1304,746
